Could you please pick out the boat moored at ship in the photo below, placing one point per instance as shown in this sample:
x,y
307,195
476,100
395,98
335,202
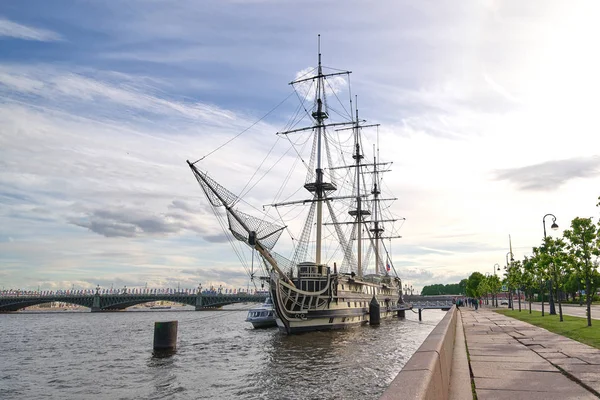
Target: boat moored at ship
x,y
262,316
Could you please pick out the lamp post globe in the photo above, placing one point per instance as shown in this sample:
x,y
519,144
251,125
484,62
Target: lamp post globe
x,y
554,225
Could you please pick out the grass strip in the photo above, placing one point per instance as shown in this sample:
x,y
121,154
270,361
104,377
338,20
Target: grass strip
x,y
572,327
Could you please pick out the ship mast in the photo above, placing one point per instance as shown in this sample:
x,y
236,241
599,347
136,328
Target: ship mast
x,y
377,227
319,117
359,211
357,157
316,183
375,192
319,187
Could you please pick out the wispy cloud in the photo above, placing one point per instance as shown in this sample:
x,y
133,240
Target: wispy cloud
x,y
121,92
501,90
18,31
550,175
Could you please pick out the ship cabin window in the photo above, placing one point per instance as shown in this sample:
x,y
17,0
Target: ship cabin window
x,y
342,287
354,304
348,304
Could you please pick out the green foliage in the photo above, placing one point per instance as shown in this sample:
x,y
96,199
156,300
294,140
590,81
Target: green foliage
x,y
583,244
440,289
463,286
472,288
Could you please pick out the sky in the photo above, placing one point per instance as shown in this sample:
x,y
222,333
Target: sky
x,y
486,108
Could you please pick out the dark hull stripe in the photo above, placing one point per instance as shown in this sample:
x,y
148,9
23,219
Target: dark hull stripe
x,y
327,327
265,324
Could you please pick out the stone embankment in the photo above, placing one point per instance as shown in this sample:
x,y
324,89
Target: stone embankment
x,y
508,359
439,369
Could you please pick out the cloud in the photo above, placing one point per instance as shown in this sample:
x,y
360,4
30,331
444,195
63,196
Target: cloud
x,y
550,175
118,95
126,223
221,238
501,90
18,31
92,154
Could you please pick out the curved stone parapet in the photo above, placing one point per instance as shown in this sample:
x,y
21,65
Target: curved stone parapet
x,y
427,374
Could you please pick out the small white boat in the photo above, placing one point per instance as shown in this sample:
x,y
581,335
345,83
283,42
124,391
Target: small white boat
x,y
262,316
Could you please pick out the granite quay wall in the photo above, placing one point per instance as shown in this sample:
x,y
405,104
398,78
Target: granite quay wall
x,y
427,373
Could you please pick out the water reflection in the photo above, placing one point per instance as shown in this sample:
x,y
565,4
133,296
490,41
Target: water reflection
x,y
219,356
355,363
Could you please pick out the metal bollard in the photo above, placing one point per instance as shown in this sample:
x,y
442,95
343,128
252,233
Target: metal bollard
x,y
165,336
374,314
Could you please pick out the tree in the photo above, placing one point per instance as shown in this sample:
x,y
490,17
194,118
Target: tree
x,y
517,277
473,284
439,289
553,259
540,273
495,285
513,279
583,244
573,280
483,289
528,278
462,285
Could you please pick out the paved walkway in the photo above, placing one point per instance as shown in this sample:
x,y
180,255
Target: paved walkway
x,y
511,359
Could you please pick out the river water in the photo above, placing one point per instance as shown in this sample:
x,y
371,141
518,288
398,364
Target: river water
x,y
76,355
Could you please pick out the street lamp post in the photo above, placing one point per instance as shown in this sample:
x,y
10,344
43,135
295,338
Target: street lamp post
x,y
508,267
542,292
554,226
496,268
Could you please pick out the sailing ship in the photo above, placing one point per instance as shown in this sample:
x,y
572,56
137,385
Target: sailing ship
x,y
345,208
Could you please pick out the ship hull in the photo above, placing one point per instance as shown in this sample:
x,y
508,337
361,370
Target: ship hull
x,y
342,304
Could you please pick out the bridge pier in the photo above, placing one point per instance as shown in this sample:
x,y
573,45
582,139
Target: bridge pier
x,y
199,302
96,303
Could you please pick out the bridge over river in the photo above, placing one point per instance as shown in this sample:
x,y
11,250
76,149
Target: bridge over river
x,y
113,302
99,301
421,303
